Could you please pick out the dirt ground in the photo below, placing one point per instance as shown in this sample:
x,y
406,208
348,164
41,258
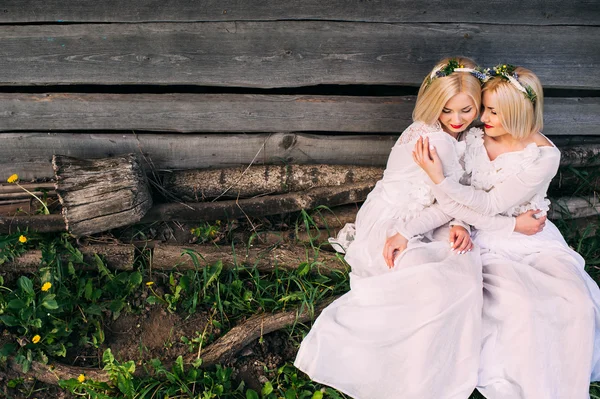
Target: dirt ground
x,y
156,333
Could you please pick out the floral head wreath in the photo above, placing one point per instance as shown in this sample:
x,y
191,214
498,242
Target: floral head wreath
x,y
507,72
454,66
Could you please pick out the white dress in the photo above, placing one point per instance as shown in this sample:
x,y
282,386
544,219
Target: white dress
x,y
412,332
541,312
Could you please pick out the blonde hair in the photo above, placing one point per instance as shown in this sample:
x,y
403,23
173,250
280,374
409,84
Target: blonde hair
x,y
518,114
434,94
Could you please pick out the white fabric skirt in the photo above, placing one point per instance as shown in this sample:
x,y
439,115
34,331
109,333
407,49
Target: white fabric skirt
x,y
413,332
541,319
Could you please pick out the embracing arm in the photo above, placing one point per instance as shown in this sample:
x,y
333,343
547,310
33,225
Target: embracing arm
x,y
515,190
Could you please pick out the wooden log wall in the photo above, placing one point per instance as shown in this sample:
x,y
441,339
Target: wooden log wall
x,y
226,83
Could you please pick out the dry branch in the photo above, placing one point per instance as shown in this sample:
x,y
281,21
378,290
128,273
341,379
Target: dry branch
x,y
197,185
52,373
227,346
101,194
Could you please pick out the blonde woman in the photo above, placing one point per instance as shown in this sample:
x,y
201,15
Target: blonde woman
x,y
541,309
410,326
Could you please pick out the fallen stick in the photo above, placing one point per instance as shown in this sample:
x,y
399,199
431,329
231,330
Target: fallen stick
x,y
227,346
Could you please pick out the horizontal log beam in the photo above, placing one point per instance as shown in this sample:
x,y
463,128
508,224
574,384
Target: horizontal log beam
x,y
261,206
392,11
249,113
286,53
574,208
265,258
13,188
39,223
114,256
258,180
30,154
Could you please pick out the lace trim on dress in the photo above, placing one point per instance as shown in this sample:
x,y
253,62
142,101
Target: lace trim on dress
x,y
485,174
344,238
416,130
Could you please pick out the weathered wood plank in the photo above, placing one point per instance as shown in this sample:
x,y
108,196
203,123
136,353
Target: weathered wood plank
x,y
286,53
248,113
30,154
211,112
102,194
580,12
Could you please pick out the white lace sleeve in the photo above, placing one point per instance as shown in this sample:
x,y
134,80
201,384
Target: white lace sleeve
x,y
416,130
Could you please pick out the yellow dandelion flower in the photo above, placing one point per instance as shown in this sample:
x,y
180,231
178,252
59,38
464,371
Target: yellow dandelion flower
x,y
149,283
46,286
36,338
81,378
23,239
13,178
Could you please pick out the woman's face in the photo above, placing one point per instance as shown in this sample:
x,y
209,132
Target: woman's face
x,y
458,113
490,117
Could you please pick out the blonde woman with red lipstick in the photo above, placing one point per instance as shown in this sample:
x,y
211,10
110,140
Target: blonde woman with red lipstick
x,y
541,310
410,326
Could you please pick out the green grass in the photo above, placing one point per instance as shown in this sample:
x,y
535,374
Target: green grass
x,y
71,314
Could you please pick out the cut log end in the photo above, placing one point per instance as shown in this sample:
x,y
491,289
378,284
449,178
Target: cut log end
x,y
101,194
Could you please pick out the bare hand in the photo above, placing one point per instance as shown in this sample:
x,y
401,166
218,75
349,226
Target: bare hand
x,y
427,158
393,247
460,240
528,224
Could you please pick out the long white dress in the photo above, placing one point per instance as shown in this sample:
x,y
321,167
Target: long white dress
x,y
541,311
412,332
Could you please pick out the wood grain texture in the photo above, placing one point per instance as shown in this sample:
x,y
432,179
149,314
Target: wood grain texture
x,y
30,154
39,223
574,207
257,180
261,206
286,53
209,112
248,113
102,194
265,258
549,12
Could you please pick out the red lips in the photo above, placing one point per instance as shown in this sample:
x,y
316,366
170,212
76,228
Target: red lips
x,y
488,126
456,126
